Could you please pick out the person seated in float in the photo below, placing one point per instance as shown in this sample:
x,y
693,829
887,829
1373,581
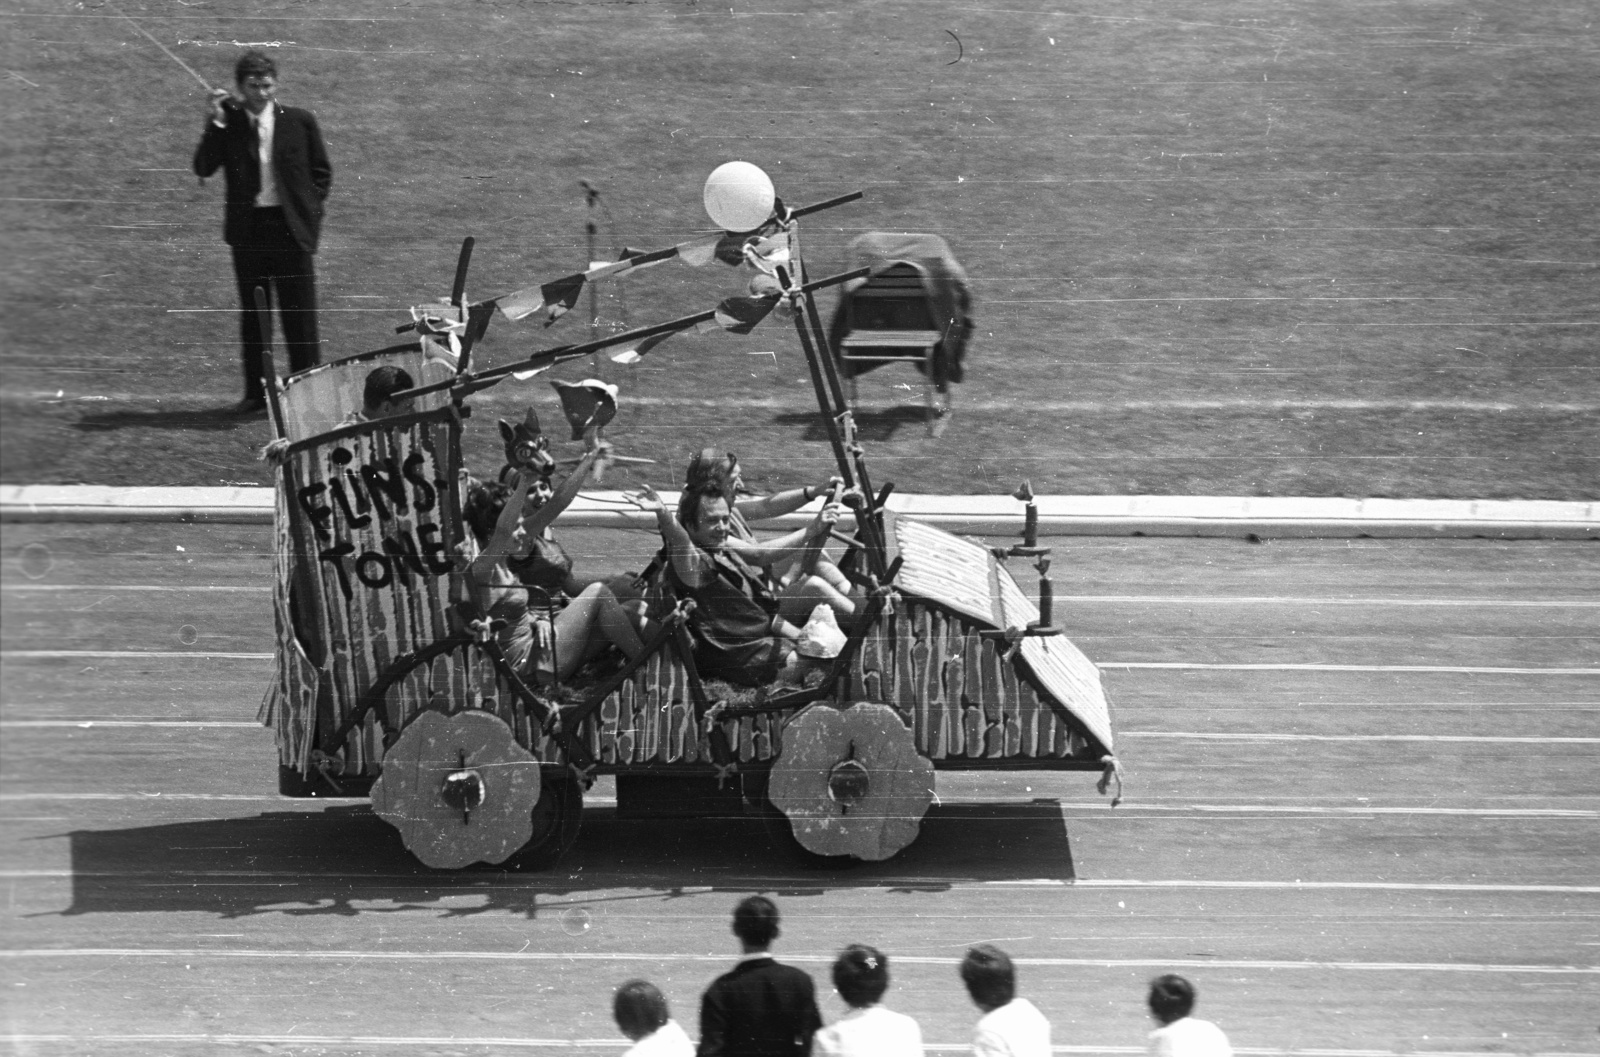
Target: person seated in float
x,y
740,633
543,648
377,396
545,565
797,594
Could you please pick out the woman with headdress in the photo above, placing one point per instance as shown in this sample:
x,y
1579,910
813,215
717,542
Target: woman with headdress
x,y
861,976
506,520
542,564
797,594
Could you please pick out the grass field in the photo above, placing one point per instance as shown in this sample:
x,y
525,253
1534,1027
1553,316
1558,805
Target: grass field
x,y
1286,247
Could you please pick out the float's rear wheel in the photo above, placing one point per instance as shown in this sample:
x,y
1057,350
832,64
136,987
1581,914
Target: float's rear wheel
x,y
556,818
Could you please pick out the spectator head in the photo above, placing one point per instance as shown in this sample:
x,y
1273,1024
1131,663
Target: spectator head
x,y
990,977
640,1009
861,975
484,503
755,922
1171,998
254,63
704,514
377,395
711,467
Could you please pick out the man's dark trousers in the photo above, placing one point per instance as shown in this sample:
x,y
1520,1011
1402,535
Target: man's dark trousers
x,y
272,247
271,259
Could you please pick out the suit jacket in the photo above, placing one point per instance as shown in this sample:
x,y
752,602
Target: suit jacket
x,y
760,1009
298,157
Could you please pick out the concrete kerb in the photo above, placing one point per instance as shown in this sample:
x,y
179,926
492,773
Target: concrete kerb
x,y
1091,515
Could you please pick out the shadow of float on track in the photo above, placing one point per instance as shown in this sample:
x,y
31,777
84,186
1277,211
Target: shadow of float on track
x,y
344,860
217,418
872,424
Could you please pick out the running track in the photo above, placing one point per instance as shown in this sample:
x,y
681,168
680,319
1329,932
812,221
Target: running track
x,y
1363,814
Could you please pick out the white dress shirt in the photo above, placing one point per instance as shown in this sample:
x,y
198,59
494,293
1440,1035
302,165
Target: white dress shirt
x,y
266,123
1016,1029
871,1031
668,1040
1188,1037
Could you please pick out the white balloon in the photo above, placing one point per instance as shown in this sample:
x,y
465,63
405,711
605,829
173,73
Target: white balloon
x,y
739,196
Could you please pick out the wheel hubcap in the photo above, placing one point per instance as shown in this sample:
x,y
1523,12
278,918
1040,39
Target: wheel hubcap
x,y
847,783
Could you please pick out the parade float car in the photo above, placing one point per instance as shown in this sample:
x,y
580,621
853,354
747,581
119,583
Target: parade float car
x,y
390,685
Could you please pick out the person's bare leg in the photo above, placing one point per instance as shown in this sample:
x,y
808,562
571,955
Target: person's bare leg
x,y
588,625
801,597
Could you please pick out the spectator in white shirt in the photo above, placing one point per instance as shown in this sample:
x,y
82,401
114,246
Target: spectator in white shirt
x,y
640,1010
861,976
1010,1026
1180,1035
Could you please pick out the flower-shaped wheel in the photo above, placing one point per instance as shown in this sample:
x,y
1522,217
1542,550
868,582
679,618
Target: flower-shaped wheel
x,y
459,789
851,781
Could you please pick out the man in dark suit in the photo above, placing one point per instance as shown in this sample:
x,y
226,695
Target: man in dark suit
x,y
761,1008
278,175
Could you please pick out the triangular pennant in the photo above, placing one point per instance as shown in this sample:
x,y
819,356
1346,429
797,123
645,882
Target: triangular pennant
x,y
441,348
589,403
739,315
635,353
700,252
560,296
478,317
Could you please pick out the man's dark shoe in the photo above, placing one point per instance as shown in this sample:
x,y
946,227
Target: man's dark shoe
x,y
250,405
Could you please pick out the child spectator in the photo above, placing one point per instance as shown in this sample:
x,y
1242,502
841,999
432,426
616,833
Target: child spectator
x,y
641,1012
1010,1026
1180,1035
861,975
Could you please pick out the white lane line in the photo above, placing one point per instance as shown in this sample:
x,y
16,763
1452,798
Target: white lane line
x,y
25,655
1274,600
1359,886
89,724
104,655
471,884
456,1043
1204,736
268,797
162,588
1008,406
1092,809
1424,668
237,954
1269,600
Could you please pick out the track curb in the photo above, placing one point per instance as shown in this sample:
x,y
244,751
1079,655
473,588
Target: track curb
x,y
1062,515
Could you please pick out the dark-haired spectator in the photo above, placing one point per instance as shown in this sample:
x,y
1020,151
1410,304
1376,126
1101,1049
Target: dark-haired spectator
x,y
1181,1035
760,1008
377,395
1010,1026
861,976
640,1010
278,175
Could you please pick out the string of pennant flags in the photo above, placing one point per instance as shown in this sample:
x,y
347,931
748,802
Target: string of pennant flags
x,y
446,340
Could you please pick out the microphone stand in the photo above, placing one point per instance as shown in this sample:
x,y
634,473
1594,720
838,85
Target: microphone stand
x,y
592,198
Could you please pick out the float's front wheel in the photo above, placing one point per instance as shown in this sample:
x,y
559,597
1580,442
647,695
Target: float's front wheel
x,y
850,781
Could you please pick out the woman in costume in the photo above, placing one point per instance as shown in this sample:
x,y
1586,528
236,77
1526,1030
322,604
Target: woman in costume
x,y
545,648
